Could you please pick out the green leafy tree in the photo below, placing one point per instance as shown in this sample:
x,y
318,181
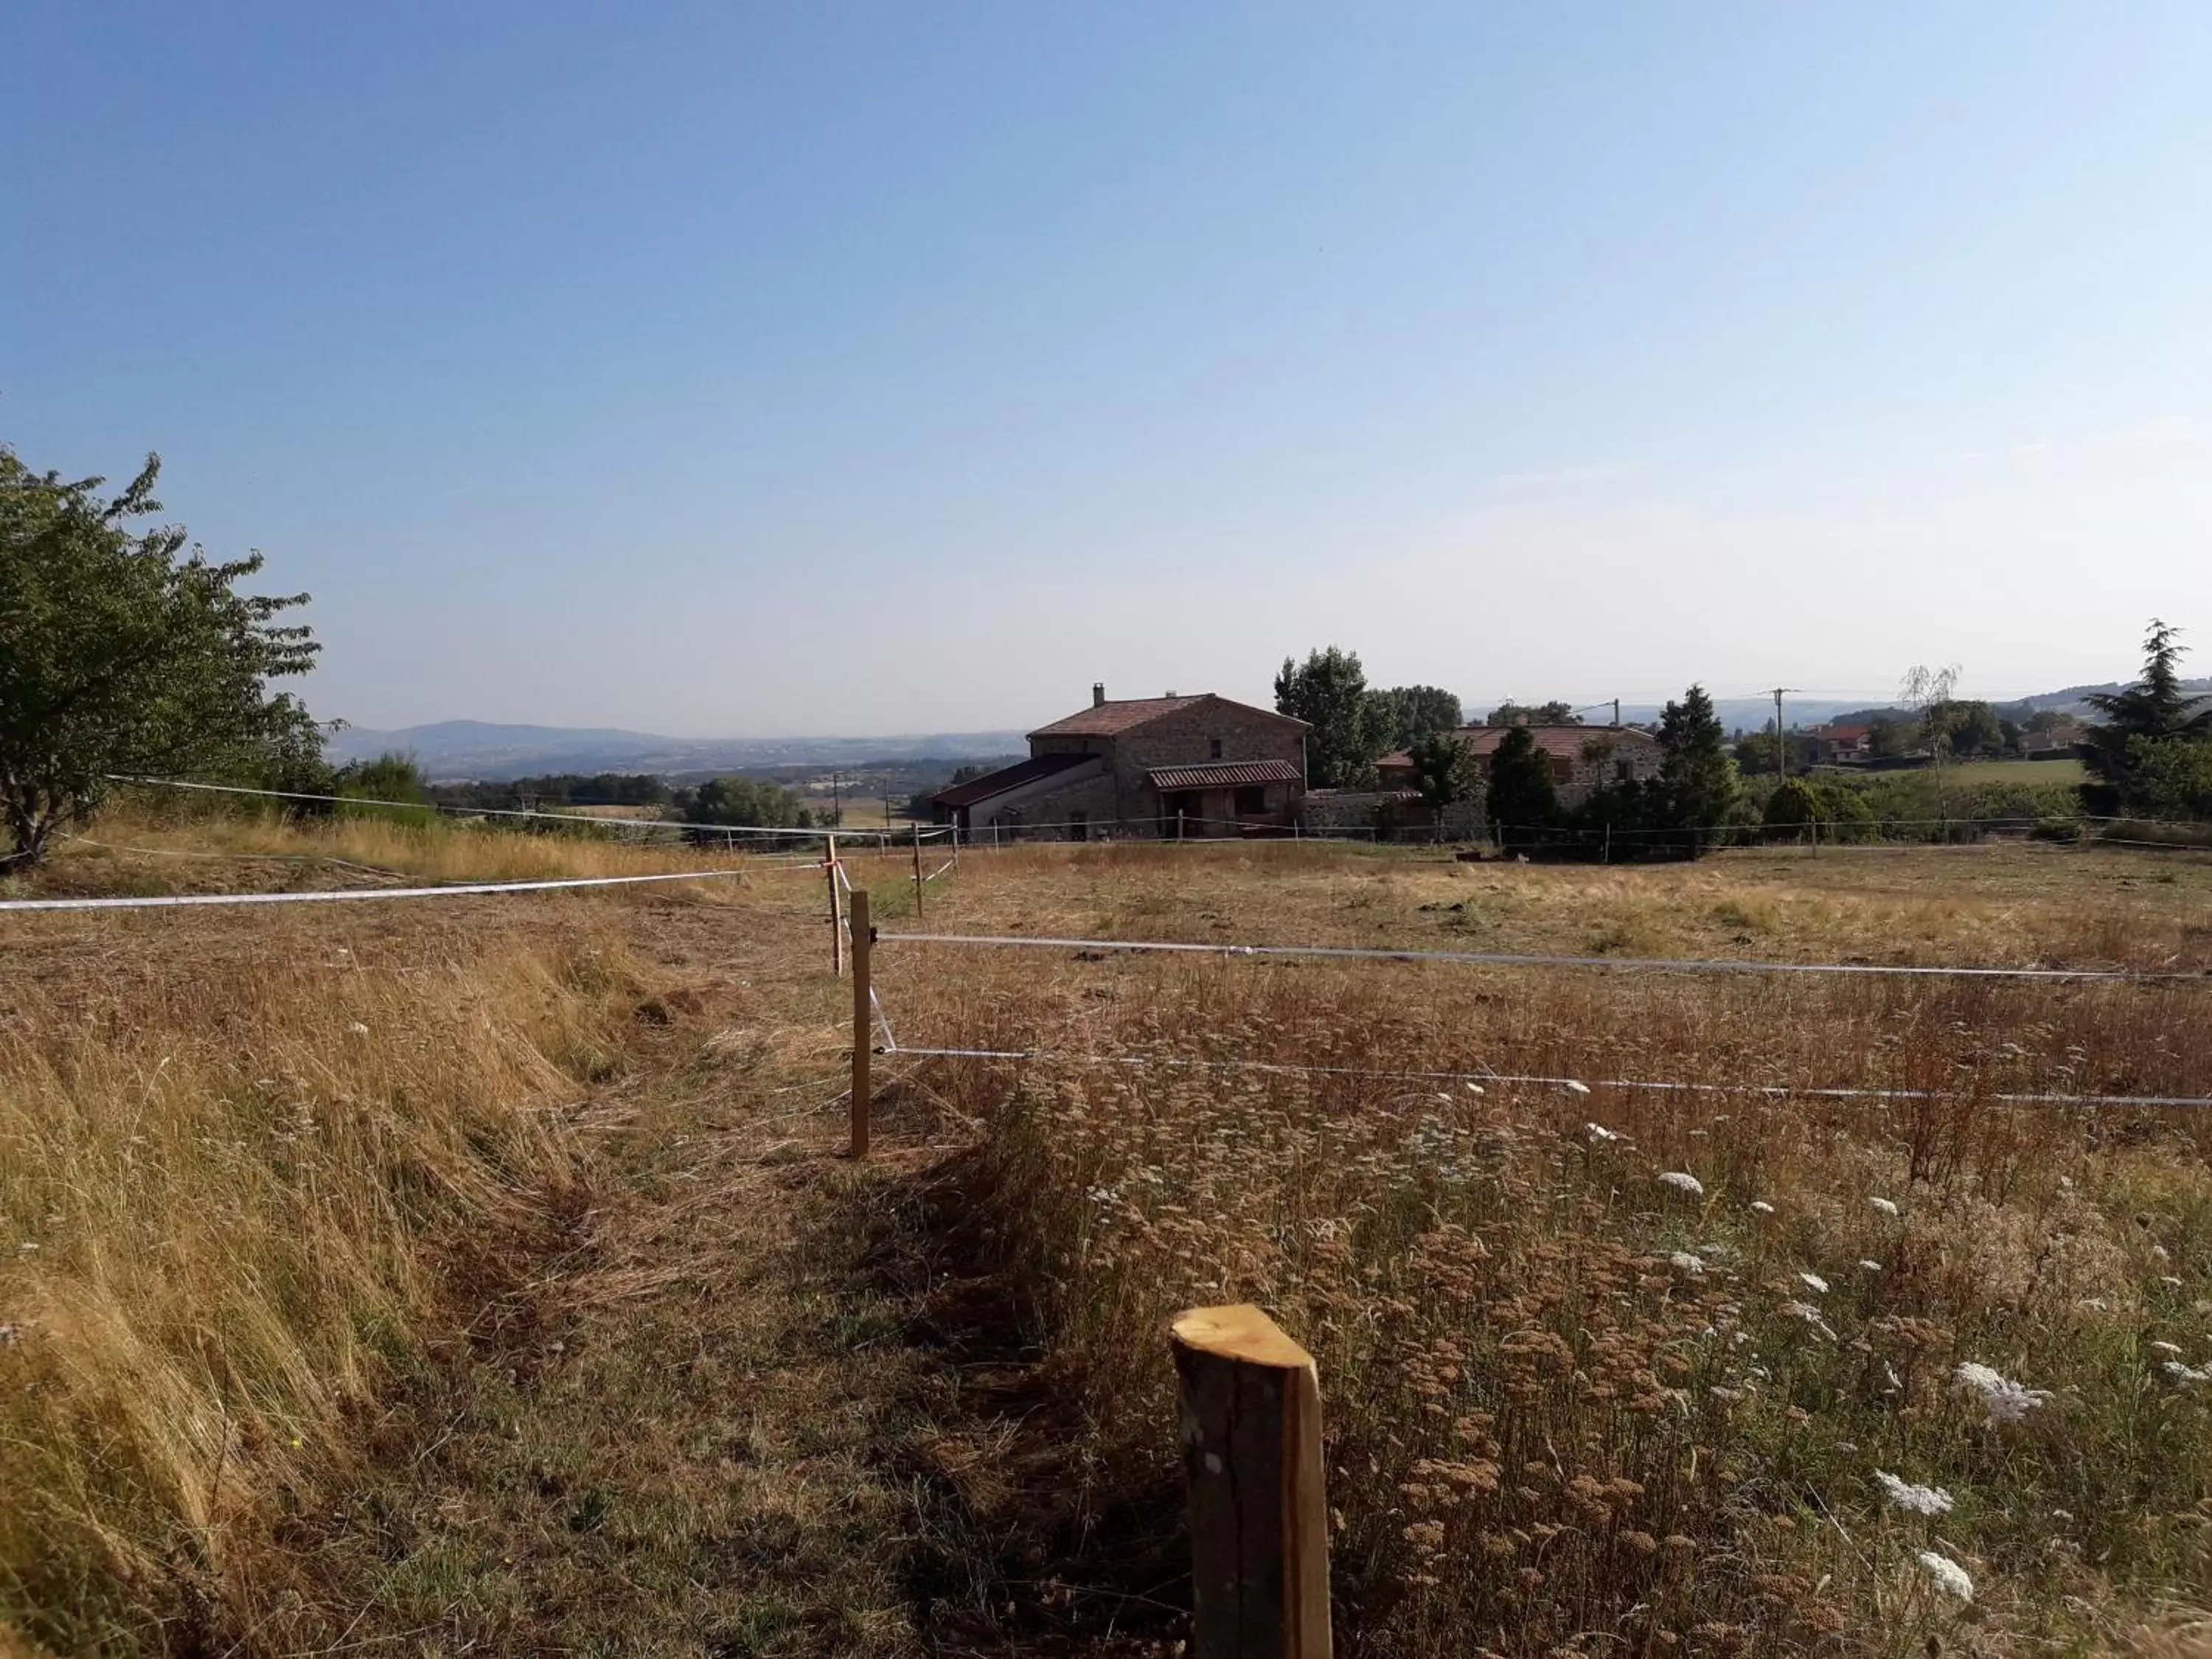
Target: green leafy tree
x,y
2155,710
1445,772
1521,800
1889,738
1510,713
2171,777
1803,809
124,654
743,804
1328,691
1967,728
1698,788
1401,716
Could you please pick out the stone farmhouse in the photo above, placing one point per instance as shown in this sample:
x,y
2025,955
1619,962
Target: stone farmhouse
x,y
1584,757
1145,767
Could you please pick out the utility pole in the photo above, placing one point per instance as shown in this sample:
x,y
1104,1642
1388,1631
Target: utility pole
x,y
836,802
1781,752
1616,711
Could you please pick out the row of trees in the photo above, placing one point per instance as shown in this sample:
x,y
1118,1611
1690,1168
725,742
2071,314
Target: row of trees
x,y
1354,724
1690,805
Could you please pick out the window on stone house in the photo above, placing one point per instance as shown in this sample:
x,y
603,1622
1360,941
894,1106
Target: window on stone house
x,y
1213,749
1251,799
1624,769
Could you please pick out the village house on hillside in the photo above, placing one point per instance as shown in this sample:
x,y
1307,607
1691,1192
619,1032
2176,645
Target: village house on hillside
x,y
1148,767
1583,759
1839,745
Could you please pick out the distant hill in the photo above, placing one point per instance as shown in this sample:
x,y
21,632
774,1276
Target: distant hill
x,y
482,752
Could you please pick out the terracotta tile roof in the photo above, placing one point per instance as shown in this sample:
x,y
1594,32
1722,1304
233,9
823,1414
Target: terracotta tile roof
x,y
1111,719
1222,774
1008,777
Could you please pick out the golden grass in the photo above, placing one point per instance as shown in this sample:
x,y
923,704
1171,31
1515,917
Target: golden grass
x,y
241,1164
253,1222
1566,1397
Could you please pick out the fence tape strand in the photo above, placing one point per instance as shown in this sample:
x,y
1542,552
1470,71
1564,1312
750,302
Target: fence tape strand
x,y
347,895
1521,959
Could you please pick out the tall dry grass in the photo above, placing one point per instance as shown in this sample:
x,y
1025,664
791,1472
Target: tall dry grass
x,y
1618,1370
238,1188
155,845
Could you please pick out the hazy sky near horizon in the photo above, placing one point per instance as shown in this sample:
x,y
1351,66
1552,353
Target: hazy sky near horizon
x,y
726,370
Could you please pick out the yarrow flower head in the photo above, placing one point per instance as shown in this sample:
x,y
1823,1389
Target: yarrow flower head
x,y
1575,1088
1693,1264
2006,1401
1908,1495
1762,1207
1815,1283
1683,1182
1887,1206
1950,1578
2182,1373
1599,1132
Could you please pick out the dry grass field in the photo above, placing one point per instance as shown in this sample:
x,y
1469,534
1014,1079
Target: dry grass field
x,y
479,1274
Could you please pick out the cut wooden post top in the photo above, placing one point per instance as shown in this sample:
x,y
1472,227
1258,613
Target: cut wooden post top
x,y
1240,1331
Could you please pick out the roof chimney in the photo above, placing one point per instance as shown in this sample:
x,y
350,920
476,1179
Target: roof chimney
x,y
1172,691
1097,694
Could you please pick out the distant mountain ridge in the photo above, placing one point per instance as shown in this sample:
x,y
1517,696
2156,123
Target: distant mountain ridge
x,y
489,752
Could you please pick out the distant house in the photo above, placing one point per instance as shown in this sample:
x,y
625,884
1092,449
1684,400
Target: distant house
x,y
1583,759
1148,767
1840,745
2055,740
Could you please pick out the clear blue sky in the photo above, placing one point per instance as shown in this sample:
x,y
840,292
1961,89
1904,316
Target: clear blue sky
x,y
726,370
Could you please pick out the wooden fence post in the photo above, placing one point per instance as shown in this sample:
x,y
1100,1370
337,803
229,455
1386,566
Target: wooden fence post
x,y
864,1035
1259,1520
836,908
917,869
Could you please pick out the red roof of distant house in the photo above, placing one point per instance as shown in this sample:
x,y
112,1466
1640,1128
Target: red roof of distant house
x,y
1847,733
1222,774
1111,719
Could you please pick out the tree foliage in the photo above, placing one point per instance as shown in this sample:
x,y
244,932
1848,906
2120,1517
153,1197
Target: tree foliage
x,y
1522,802
2154,711
1807,808
1510,713
1328,691
1698,788
1401,716
1445,770
124,654
743,803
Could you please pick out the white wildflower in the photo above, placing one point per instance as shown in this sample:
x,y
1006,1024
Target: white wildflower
x,y
1762,1207
1813,1283
1908,1495
26,1247
1575,1088
1683,1182
2174,1348
1688,1263
2006,1401
2181,1373
1887,1206
357,1029
2170,1281
2095,1305
1474,1088
2160,1251
1950,1578
1896,1382
1599,1132
1871,1266
1811,1316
